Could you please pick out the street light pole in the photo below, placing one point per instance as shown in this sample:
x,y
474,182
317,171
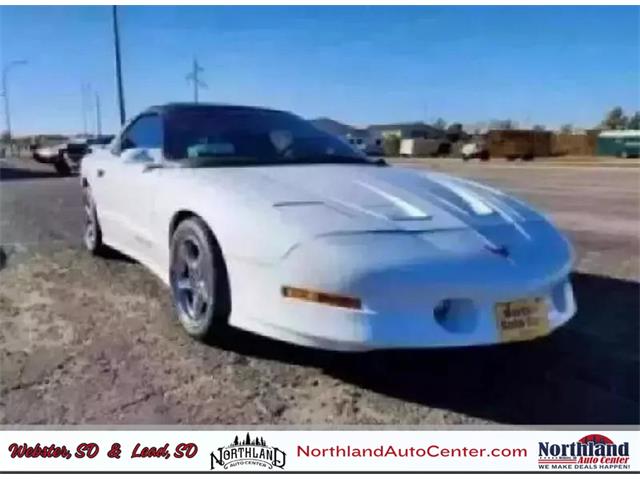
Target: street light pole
x,y
5,92
116,38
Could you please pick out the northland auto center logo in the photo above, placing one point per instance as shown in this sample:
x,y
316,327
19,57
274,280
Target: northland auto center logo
x,y
592,452
248,452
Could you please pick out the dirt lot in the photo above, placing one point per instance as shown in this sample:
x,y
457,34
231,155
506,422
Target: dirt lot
x,y
94,341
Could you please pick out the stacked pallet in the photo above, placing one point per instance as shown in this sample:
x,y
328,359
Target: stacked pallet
x,y
519,143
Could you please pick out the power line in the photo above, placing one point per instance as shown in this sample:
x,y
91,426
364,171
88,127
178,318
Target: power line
x,y
194,77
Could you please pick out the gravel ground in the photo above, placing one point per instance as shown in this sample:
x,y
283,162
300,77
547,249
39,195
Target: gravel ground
x,y
94,341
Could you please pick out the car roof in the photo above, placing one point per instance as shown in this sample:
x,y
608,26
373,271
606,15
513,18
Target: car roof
x,y
169,108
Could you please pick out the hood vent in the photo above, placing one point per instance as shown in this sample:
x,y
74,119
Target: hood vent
x,y
407,211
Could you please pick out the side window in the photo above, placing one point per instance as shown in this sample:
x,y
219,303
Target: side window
x,y
145,132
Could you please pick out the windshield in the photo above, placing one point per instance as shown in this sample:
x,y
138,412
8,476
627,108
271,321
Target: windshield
x,y
228,135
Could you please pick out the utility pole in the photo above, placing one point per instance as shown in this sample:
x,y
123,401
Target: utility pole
x,y
116,39
5,92
84,91
194,77
98,116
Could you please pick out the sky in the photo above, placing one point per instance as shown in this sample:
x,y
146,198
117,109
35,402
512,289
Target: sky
x,y
359,65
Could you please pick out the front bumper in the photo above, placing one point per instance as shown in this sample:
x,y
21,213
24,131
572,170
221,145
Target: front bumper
x,y
401,278
46,158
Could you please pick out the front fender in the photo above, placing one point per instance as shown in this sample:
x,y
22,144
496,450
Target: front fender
x,y
244,231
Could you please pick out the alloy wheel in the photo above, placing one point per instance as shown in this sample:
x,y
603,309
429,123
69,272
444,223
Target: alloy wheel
x,y
189,281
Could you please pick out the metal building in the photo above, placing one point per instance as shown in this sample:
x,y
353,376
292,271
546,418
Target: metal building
x,y
619,143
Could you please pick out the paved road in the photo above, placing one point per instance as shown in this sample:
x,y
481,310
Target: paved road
x,y
94,341
37,206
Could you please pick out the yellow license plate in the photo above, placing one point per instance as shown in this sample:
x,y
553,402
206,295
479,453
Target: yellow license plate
x,y
522,319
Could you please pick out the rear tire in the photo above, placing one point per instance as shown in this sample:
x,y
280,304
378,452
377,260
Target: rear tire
x,y
199,281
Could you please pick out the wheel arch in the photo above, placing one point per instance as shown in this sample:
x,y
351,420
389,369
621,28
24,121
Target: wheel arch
x,y
185,213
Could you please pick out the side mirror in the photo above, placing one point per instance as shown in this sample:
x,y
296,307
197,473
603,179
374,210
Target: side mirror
x,y
148,167
126,144
137,155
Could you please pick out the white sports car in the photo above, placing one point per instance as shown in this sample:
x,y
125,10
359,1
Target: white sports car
x,y
258,220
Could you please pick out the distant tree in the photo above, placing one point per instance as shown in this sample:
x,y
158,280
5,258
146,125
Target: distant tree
x,y
455,132
615,119
6,146
455,128
566,128
248,439
440,124
634,122
507,124
539,128
235,442
391,146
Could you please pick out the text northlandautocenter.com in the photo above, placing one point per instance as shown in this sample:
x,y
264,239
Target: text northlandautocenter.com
x,y
433,451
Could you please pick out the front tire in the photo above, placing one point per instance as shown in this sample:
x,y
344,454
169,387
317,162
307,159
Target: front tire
x,y
62,167
198,279
92,237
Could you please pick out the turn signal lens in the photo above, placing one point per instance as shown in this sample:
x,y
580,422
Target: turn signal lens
x,y
322,297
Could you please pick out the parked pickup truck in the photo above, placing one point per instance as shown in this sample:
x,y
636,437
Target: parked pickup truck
x,y
53,154
78,148
66,157
474,150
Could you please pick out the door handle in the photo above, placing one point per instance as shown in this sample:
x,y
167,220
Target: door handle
x,y
100,172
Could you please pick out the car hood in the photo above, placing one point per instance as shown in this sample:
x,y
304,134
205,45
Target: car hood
x,y
325,199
